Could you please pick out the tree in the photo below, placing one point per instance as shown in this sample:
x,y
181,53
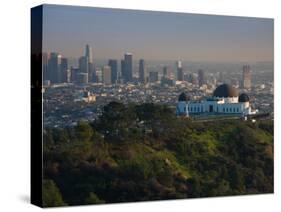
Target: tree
x,y
84,131
186,158
93,199
51,194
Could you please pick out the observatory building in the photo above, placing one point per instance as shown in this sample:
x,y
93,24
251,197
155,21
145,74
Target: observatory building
x,y
225,100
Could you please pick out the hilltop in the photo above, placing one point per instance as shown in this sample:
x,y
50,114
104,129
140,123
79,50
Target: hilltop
x,y
144,152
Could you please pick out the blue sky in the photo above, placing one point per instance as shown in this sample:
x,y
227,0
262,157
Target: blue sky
x,y
156,35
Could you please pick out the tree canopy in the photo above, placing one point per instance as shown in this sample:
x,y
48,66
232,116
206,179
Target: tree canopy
x,y
144,152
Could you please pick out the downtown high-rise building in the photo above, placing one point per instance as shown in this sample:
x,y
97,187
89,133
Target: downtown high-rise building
x,y
89,53
153,76
73,74
54,67
90,66
179,70
114,70
201,77
65,72
165,72
166,80
192,79
247,77
127,68
82,78
45,59
84,64
106,75
142,71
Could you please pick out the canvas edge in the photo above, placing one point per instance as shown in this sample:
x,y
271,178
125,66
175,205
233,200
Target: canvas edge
x,y
36,106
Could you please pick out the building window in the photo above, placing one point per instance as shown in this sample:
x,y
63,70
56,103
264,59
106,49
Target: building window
x,y
230,109
184,109
223,109
227,110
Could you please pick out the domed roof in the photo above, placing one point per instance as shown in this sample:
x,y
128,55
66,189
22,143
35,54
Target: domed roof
x,y
183,97
243,98
225,90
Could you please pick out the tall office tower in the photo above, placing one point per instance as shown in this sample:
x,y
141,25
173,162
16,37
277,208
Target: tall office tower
x,y
247,77
106,75
201,77
89,53
90,66
178,64
179,70
153,76
142,71
189,78
180,74
45,58
127,73
91,72
83,65
54,63
122,71
165,72
64,70
114,70
194,79
82,78
73,74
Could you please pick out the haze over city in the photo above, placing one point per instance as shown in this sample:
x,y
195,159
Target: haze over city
x,y
98,55
156,35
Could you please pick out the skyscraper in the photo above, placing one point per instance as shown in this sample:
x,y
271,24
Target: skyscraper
x,y
84,65
45,59
247,77
180,74
114,71
90,66
127,72
54,71
89,53
179,70
73,74
201,77
106,75
142,71
82,78
64,70
122,71
165,72
153,76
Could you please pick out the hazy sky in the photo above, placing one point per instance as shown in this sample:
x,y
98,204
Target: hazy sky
x,y
156,35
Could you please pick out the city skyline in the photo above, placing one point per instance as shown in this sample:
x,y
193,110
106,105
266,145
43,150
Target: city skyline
x,y
156,35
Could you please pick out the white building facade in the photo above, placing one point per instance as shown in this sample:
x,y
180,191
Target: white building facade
x,y
225,100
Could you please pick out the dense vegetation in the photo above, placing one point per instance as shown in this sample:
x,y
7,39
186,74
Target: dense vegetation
x,y
144,152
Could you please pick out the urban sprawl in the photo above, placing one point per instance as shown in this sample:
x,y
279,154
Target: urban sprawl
x,y
73,93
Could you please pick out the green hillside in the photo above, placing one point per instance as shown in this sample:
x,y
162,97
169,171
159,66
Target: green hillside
x,y
144,152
